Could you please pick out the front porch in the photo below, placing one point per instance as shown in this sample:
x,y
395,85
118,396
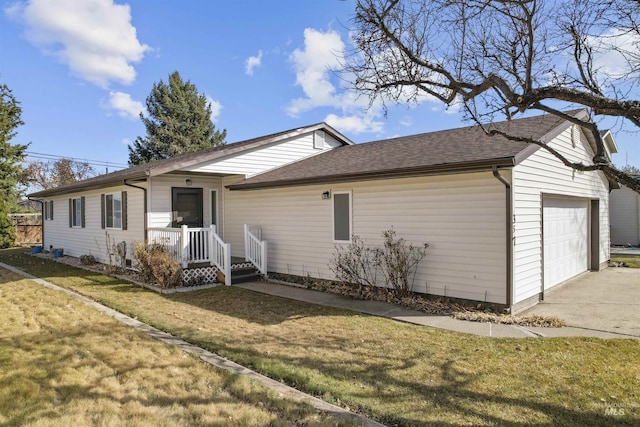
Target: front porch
x,y
202,246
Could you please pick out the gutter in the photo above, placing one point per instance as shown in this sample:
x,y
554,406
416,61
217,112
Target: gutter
x,y
41,216
145,206
509,234
472,166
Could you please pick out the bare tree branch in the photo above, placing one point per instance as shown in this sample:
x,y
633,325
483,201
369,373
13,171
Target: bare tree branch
x,y
504,58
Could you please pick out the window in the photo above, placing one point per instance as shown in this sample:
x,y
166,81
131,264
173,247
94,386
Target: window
x,y
187,207
113,210
48,210
76,212
342,216
318,139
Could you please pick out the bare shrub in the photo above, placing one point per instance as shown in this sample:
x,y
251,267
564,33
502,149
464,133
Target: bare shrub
x,y
356,264
157,265
395,262
399,261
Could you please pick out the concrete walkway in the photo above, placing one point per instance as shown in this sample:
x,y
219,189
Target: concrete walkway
x,y
283,390
391,311
608,301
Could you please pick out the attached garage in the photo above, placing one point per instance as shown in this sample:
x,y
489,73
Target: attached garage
x,y
566,239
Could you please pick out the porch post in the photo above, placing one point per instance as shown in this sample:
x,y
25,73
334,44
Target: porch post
x,y
227,264
185,246
246,242
212,244
263,257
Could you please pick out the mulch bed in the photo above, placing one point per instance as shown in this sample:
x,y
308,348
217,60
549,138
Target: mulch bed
x,y
458,309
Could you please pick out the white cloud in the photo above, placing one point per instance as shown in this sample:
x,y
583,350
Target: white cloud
x,y
354,123
616,52
125,141
406,121
314,66
216,108
94,38
252,63
124,105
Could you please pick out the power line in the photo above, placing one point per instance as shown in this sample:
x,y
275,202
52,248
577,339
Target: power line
x,y
43,156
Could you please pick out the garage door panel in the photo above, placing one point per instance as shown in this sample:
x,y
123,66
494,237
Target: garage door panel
x,y
565,239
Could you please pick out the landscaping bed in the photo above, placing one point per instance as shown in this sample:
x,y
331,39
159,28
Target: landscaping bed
x,y
458,309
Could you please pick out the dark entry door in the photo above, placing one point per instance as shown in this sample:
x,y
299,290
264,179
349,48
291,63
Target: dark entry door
x,y
186,204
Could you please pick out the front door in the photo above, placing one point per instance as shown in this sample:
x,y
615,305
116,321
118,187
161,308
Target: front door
x,y
186,204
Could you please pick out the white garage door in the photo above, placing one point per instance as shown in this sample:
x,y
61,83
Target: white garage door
x,y
565,239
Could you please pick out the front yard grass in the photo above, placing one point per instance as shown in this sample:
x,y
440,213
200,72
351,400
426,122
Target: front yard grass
x,y
64,363
632,261
397,373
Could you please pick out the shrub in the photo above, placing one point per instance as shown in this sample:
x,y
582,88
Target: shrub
x,y
87,259
396,262
399,261
7,229
157,266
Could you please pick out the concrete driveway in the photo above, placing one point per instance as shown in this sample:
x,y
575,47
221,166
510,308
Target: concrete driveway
x,y
607,301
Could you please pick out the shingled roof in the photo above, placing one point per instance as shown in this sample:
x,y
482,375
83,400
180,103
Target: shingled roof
x,y
159,167
462,149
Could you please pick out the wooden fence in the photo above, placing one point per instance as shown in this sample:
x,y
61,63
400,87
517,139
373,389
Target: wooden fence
x,y
28,228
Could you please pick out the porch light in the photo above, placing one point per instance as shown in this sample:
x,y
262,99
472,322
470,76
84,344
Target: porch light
x,y
188,182
326,195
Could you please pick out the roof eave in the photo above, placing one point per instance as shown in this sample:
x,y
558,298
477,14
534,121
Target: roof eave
x,y
218,154
463,167
546,138
82,186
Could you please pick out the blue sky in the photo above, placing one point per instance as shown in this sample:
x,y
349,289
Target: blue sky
x,y
83,68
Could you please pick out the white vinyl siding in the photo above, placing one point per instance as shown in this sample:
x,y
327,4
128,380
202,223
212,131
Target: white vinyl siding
x,y
625,217
542,174
160,197
92,239
461,216
259,160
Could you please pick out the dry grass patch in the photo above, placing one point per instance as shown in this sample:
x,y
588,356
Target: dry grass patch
x,y
398,373
64,363
631,261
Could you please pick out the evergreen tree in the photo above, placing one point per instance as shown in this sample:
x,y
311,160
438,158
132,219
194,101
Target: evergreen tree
x,y
11,157
179,121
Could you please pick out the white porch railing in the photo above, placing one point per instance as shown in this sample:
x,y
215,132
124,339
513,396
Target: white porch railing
x,y
255,249
195,245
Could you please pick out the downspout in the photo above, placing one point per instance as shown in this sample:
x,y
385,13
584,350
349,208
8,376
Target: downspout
x,y
144,204
41,216
509,235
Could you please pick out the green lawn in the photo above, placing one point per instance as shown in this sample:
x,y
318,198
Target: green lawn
x,y
65,364
394,372
632,261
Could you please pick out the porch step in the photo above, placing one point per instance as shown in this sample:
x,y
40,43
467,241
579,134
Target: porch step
x,y
244,274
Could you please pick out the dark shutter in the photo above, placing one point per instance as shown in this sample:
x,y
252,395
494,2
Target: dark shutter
x,y
102,219
124,210
51,210
70,212
82,209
